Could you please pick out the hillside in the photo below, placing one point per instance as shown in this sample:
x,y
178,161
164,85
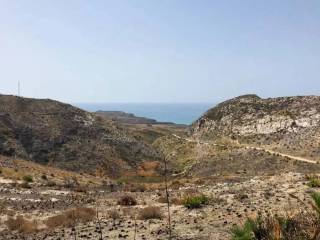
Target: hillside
x,y
238,173
286,124
57,134
248,135
251,115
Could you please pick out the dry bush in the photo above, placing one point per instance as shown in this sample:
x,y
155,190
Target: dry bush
x,y
113,214
3,206
127,200
162,199
148,169
173,200
25,185
191,191
21,225
81,188
51,183
151,165
135,187
176,184
177,201
71,217
295,226
150,212
71,182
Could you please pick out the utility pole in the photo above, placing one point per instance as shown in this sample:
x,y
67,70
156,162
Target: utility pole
x,y
18,88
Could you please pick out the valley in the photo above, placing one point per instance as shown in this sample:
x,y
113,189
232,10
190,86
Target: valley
x,y
70,174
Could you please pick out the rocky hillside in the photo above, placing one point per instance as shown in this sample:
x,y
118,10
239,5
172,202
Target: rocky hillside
x,y
251,136
53,133
251,115
286,125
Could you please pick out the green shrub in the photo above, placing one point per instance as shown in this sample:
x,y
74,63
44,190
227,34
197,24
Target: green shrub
x,y
28,178
314,181
316,202
196,201
243,232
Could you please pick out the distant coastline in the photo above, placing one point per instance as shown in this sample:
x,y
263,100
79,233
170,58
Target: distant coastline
x,y
179,113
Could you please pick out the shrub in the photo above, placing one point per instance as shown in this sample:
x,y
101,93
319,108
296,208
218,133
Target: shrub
x,y
81,188
28,178
314,181
21,225
304,225
136,187
316,202
71,217
71,182
150,212
25,185
162,199
242,233
113,214
51,183
196,201
44,177
127,201
271,228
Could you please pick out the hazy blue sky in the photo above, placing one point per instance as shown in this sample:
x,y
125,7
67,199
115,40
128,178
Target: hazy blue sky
x,y
159,50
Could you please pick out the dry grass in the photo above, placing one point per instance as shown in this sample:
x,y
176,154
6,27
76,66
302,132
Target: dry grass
x,y
148,169
71,217
23,167
150,212
21,225
113,214
134,187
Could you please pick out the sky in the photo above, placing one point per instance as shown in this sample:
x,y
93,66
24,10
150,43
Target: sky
x,y
159,51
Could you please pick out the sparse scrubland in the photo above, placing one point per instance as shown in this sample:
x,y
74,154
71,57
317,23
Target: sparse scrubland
x,y
246,170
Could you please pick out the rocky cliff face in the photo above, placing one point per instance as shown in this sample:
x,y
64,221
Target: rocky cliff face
x,y
54,133
251,115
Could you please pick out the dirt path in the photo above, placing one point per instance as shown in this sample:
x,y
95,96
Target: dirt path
x,y
281,154
301,159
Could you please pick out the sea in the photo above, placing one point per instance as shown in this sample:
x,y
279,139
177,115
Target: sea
x,y
179,113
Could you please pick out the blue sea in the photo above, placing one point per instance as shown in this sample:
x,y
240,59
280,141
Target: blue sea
x,y
180,113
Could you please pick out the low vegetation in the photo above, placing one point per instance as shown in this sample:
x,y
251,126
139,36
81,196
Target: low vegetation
x,y
21,225
195,201
150,212
304,225
127,200
313,181
28,178
71,217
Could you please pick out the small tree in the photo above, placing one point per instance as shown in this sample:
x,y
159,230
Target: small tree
x,y
99,224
